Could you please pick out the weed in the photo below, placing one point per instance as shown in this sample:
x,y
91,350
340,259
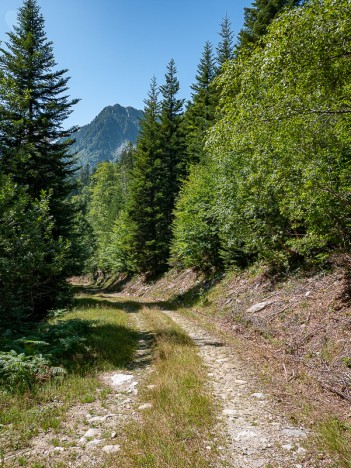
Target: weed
x,y
347,361
88,399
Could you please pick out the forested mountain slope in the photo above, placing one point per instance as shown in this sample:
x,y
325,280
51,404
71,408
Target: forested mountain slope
x,y
104,138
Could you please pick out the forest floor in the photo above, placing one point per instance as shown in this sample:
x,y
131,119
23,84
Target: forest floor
x,y
205,386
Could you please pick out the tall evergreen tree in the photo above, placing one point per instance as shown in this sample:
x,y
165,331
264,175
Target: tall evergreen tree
x,y
144,202
33,157
34,107
172,137
259,16
225,48
173,160
201,111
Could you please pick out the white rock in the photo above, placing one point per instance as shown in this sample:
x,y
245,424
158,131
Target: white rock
x,y
59,449
111,448
208,447
113,435
287,447
97,419
145,406
93,443
240,382
257,307
118,379
100,418
229,412
246,434
293,432
260,396
91,433
301,451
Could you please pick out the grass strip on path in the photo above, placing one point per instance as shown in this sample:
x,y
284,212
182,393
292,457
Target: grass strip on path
x,y
177,431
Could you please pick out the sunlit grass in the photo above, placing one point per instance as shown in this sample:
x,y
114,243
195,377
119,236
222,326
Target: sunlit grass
x,y
177,429
335,436
111,343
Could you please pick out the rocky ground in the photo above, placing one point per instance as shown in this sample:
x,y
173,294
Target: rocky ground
x,y
255,434
251,428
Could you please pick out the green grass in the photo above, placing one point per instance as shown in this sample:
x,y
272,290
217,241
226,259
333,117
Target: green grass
x,y
335,436
176,430
110,344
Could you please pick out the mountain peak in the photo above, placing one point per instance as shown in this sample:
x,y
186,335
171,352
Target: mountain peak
x,y
102,139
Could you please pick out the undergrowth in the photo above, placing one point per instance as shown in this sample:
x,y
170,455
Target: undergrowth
x,y
34,396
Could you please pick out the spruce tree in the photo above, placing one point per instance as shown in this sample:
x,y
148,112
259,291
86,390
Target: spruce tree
x,y
34,158
225,48
143,207
173,156
34,107
258,17
200,113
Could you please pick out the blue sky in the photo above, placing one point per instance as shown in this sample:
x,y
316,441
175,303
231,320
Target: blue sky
x,y
112,48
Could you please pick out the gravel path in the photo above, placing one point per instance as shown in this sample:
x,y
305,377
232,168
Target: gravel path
x,y
255,436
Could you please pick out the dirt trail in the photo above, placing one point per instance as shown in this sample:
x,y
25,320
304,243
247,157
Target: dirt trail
x,y
92,431
255,435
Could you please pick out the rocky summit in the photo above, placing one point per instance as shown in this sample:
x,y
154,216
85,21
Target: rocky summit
x,y
104,138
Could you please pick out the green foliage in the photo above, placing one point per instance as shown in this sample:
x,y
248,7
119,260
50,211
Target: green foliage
x,y
225,49
335,434
34,106
200,113
258,17
146,203
282,143
33,356
107,199
195,230
19,372
159,166
39,223
31,260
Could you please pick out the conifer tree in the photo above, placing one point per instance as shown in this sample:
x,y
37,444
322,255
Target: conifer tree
x,y
173,161
225,48
201,111
172,138
34,159
259,16
144,214
34,107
